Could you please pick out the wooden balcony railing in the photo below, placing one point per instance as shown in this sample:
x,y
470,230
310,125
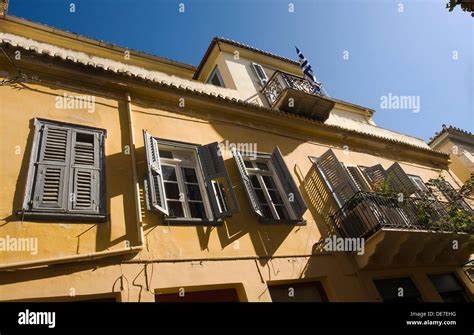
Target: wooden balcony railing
x,y
367,212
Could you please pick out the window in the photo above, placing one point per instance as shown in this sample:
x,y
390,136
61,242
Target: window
x,y
397,289
298,292
445,187
215,78
449,287
187,181
420,185
218,295
260,73
270,188
66,175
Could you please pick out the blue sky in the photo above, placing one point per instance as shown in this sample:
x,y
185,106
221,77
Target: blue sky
x,y
405,51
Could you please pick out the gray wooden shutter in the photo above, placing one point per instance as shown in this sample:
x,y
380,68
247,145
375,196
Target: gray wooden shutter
x,y
52,168
239,161
358,178
289,185
155,183
217,180
85,172
399,181
376,175
336,177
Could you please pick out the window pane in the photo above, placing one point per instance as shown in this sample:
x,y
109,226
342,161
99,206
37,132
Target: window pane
x,y
248,164
166,154
194,193
169,172
175,209
197,210
262,166
255,181
282,213
172,190
215,80
261,196
267,213
275,196
189,175
269,183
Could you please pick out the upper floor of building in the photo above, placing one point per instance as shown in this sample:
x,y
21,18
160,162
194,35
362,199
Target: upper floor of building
x,y
81,177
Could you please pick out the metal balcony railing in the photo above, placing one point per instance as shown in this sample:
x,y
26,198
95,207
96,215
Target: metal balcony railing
x,y
367,212
280,81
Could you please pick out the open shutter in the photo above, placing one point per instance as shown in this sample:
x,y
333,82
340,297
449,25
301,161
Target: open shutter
x,y
217,180
358,178
155,183
445,187
85,172
239,161
399,181
336,177
291,190
260,73
376,175
52,168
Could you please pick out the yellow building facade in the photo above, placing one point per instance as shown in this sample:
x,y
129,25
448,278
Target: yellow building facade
x,y
130,177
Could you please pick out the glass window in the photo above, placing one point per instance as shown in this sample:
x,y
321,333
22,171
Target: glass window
x,y
183,187
268,190
398,289
449,287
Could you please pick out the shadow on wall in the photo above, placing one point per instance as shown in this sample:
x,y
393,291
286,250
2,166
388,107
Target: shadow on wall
x,y
117,170
265,238
320,202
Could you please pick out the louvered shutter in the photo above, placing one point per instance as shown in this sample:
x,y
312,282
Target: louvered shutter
x,y
239,161
445,187
399,181
85,172
358,178
217,180
376,176
155,183
291,190
52,168
336,177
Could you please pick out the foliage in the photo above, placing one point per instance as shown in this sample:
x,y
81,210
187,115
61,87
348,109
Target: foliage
x,y
458,217
430,213
466,5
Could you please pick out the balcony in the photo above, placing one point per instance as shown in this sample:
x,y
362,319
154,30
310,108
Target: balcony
x,y
294,94
397,235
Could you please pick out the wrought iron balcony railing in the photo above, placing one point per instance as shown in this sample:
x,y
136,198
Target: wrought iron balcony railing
x,y
367,212
296,95
280,81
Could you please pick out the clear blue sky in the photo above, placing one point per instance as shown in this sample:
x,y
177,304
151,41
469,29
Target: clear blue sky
x,y
408,53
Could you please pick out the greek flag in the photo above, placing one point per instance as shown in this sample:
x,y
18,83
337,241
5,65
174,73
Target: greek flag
x,y
308,72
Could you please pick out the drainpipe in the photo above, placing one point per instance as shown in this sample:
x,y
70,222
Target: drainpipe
x,y
131,131
107,253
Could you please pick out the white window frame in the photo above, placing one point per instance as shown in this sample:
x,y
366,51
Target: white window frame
x,y
415,179
216,72
263,81
178,164
270,172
